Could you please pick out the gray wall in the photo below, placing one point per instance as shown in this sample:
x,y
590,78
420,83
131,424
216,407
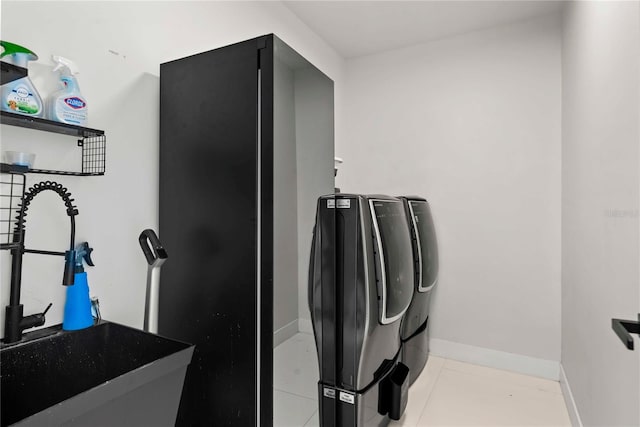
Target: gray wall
x,y
303,136
473,123
314,135
285,232
600,186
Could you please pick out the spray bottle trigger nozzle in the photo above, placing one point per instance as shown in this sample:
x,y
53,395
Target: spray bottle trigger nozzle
x,y
64,62
87,257
83,252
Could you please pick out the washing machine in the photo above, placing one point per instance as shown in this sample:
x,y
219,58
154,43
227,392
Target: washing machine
x,y
360,286
415,324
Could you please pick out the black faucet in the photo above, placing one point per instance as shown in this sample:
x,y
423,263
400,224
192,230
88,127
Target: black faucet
x,y
15,322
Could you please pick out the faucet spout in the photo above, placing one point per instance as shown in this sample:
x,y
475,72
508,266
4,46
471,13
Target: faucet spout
x,y
15,322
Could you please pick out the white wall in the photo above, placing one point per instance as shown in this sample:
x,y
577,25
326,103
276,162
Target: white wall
x,y
473,124
118,47
600,202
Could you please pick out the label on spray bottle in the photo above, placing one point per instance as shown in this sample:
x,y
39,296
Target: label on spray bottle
x,y
68,105
71,110
22,100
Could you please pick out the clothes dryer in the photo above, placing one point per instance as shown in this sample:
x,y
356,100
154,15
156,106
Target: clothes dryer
x,y
360,285
415,324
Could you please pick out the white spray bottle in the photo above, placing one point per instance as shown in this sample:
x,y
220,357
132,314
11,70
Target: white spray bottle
x,y
67,105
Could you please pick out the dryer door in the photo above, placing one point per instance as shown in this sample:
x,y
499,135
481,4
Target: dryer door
x,y
394,258
427,246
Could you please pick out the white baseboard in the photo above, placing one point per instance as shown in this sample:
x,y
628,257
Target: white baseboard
x,y
574,415
284,333
543,368
305,326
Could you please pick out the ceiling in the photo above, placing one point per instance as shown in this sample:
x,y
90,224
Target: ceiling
x,y
358,28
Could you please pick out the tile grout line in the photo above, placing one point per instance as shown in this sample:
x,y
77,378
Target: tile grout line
x,y
435,383
309,419
294,394
303,397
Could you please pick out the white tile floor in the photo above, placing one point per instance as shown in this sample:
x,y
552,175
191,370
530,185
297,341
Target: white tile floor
x,y
448,393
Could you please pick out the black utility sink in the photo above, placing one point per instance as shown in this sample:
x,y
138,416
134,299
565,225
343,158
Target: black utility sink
x,y
107,374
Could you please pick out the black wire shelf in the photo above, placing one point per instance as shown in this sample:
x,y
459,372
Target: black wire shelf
x,y
12,187
93,143
37,123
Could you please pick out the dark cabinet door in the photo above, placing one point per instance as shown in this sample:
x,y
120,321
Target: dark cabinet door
x,y
209,223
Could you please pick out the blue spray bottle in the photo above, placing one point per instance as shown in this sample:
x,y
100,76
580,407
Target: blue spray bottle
x,y
77,308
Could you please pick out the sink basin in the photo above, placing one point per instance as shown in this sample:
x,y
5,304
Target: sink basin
x,y
105,375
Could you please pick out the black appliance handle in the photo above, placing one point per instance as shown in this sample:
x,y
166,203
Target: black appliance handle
x,y
156,250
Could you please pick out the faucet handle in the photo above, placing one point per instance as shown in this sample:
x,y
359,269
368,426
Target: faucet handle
x,y
47,309
35,319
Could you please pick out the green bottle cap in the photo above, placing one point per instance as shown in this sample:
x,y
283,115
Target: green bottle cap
x,y
12,48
